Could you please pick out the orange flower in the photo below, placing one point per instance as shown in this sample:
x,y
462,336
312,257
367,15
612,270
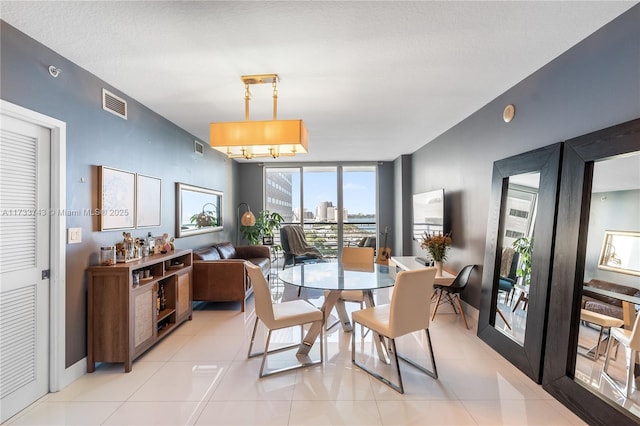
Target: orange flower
x,y
436,245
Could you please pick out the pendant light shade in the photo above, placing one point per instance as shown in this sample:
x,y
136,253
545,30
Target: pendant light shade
x,y
267,138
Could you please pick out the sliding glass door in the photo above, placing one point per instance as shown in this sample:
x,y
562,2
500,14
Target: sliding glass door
x,y
335,204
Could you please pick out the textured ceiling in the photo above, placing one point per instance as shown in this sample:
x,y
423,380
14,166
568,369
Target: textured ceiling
x,y
372,80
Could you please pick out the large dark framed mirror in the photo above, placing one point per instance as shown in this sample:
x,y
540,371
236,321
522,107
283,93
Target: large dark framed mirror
x,y
520,236
600,190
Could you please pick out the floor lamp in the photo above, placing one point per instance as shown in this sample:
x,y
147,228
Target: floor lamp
x,y
247,219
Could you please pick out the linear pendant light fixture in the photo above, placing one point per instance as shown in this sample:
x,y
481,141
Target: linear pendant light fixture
x,y
269,138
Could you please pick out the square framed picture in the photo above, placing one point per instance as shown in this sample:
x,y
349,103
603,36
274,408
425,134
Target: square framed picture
x,y
117,199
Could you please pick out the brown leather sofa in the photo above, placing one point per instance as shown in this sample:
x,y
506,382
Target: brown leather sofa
x,y
603,304
219,274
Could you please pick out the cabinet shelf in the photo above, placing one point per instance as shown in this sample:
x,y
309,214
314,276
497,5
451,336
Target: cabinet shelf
x,y
127,326
164,314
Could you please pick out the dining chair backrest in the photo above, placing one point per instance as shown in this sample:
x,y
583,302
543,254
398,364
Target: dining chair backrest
x,y
261,294
410,301
460,282
357,255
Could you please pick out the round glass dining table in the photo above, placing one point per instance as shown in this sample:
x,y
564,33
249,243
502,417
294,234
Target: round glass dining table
x,y
335,277
338,276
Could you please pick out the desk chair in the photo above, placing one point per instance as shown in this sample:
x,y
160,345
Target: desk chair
x,y
456,287
408,312
278,316
630,339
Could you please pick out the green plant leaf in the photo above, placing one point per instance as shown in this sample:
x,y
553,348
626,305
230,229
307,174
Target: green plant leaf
x,y
266,223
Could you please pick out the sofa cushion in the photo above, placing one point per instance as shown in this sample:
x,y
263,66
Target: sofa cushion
x,y
206,253
226,250
263,263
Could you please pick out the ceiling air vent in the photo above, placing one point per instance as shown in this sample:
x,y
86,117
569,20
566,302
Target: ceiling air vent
x,y
114,104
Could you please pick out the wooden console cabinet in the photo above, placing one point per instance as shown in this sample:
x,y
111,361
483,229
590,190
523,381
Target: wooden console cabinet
x,y
124,318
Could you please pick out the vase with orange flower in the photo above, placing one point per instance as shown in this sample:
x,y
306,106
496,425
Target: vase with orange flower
x,y
437,245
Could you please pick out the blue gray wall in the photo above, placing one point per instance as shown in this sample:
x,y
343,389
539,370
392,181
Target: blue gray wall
x,y
611,211
145,143
594,85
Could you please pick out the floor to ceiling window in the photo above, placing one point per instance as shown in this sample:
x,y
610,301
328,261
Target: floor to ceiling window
x,y
336,205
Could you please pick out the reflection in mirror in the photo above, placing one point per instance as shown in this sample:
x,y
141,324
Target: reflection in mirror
x,y
621,252
198,210
518,218
611,294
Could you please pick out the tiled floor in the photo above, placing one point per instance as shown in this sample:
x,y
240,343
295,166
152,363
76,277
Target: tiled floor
x,y
200,375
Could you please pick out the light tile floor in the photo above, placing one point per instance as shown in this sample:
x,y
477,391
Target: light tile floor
x,y
200,375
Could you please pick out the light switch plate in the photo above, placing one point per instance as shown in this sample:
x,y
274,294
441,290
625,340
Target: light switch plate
x,y
74,235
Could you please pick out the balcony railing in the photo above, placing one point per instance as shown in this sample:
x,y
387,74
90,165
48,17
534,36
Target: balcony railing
x,y
324,236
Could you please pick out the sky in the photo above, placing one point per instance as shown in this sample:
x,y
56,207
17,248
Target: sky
x,y
359,190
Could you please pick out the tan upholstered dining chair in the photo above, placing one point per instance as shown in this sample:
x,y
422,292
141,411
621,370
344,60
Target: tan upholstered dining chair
x,y
630,339
355,258
408,312
278,316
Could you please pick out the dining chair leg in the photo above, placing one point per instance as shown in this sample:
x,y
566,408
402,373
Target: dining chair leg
x,y
253,337
434,374
399,387
503,318
264,354
461,311
453,305
626,391
436,307
606,356
631,362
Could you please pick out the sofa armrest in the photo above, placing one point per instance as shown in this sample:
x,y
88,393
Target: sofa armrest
x,y
219,280
253,252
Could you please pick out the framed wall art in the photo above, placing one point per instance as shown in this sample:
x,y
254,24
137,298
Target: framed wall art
x,y
117,199
198,210
148,201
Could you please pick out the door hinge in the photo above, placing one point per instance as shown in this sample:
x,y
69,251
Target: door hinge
x,y
46,274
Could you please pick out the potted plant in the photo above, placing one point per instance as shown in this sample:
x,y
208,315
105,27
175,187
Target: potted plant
x,y
437,246
524,246
266,223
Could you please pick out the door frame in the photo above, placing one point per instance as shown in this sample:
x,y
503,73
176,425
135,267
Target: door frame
x,y
57,249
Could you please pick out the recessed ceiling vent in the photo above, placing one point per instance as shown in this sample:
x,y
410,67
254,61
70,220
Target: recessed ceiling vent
x,y
114,104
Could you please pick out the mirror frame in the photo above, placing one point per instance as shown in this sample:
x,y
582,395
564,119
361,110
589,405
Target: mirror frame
x,y
528,357
211,197
568,271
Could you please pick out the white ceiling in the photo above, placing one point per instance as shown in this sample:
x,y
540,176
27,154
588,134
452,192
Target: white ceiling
x,y
372,80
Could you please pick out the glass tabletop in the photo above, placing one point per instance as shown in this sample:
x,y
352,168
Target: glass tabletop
x,y
336,276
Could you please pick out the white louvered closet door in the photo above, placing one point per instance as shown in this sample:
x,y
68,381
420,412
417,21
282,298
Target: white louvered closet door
x,y
24,255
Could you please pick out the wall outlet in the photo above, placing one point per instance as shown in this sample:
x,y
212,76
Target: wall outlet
x,y
74,235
